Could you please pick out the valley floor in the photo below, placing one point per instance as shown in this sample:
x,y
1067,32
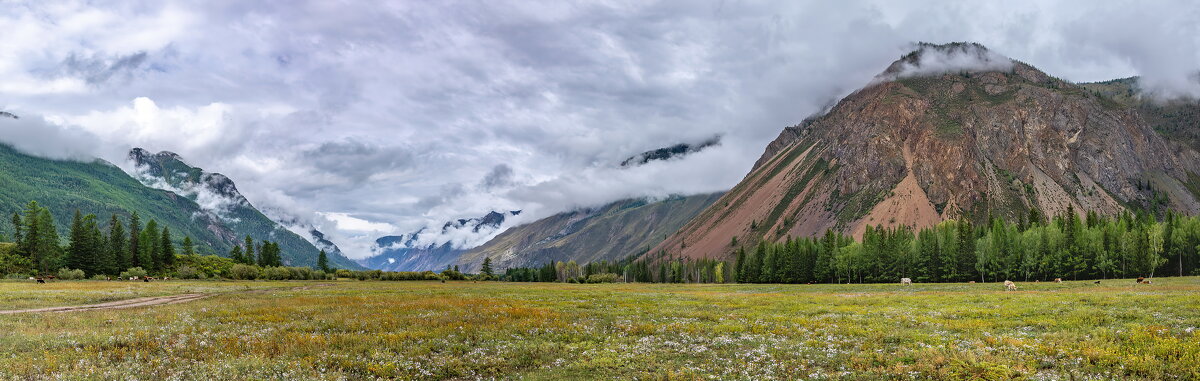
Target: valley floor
x,y
465,330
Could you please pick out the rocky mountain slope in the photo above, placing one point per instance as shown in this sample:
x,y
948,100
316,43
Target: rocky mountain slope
x,y
218,195
928,141
611,232
427,250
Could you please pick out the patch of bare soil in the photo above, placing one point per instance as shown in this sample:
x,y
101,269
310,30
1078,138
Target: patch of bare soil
x,y
908,205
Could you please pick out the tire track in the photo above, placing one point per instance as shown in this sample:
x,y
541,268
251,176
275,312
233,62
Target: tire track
x,y
149,301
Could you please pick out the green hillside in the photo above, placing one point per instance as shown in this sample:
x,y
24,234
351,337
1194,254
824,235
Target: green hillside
x,y
98,188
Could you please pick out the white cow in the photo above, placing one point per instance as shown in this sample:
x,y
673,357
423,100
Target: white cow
x,y
1010,286
906,281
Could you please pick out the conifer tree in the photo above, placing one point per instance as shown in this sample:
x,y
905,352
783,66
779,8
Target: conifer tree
x,y
236,254
135,248
486,269
188,247
150,241
166,251
322,261
249,255
75,247
117,257
17,227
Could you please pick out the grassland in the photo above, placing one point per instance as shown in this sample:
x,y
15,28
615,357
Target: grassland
x,y
464,330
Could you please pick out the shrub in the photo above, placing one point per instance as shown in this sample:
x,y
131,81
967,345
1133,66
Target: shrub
x,y
99,277
68,274
276,273
602,278
16,276
132,272
189,272
453,275
244,272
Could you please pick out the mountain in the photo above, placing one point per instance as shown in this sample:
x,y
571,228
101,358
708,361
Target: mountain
x,y
933,138
1176,119
425,250
101,188
667,153
611,232
218,195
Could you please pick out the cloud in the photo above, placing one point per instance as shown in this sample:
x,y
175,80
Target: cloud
x,y
34,135
500,176
411,114
932,59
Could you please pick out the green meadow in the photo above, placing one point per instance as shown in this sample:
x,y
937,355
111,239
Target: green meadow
x,y
495,330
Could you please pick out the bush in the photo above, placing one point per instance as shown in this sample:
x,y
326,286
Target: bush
x,y
16,276
189,272
209,266
68,274
602,278
453,275
244,272
99,277
133,272
343,273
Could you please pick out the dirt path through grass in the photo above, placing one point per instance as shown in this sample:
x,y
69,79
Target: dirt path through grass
x,y
149,301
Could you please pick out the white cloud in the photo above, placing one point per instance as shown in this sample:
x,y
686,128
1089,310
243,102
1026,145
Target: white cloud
x,y
399,114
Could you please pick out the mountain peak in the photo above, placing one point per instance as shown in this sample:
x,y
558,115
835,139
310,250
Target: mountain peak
x,y
956,57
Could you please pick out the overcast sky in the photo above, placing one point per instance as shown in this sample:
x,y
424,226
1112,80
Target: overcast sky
x,y
379,117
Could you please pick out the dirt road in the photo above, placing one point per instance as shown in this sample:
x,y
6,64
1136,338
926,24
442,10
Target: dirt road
x,y
146,302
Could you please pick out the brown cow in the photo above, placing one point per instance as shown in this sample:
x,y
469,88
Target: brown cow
x,y
1057,280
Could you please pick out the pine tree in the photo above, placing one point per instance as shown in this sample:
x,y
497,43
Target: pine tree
x,y
46,253
188,247
75,248
135,249
236,254
150,244
166,251
322,261
249,255
117,258
17,227
145,255
487,267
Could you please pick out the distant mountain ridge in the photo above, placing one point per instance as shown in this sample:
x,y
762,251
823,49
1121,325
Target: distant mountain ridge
x,y
414,251
672,152
611,232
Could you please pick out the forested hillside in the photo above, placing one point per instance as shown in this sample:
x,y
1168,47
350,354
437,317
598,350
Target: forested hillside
x,y
102,189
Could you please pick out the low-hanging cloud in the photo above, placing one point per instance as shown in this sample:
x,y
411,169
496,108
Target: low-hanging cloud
x,y
928,59
412,115
34,135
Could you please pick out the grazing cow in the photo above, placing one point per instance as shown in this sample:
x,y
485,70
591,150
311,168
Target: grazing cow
x,y
971,282
40,280
1057,280
906,281
1010,286
1097,282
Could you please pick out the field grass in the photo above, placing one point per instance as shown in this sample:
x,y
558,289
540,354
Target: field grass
x,y
464,330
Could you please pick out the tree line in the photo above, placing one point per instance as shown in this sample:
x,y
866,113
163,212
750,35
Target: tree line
x,y
118,247
1067,246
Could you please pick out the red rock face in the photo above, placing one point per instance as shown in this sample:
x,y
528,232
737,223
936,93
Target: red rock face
x,y
918,150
